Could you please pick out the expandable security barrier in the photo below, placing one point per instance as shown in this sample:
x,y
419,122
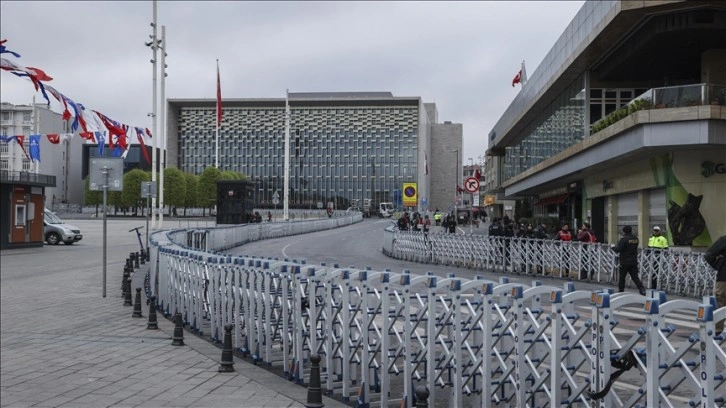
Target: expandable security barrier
x,y
678,271
471,342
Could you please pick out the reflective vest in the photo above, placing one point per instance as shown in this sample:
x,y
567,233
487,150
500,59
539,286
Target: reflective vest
x,y
658,242
437,216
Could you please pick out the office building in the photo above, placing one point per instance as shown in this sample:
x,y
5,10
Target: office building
x,y
623,123
343,146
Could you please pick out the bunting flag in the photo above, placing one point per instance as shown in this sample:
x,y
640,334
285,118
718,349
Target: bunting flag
x,y
34,148
88,136
459,189
4,50
477,174
20,139
5,138
54,138
57,95
101,138
140,136
36,75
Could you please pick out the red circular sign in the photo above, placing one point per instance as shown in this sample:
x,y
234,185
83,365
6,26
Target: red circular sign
x,y
410,191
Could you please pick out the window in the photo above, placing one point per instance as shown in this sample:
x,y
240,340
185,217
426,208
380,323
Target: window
x,y
27,116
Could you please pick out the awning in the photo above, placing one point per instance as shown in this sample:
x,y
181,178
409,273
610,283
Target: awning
x,y
558,199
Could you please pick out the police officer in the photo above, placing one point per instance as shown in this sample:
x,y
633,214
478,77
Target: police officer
x,y
657,243
627,247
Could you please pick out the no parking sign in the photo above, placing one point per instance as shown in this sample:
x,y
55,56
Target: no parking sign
x,y
410,195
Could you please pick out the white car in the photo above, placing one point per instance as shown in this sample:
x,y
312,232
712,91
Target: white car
x,y
55,230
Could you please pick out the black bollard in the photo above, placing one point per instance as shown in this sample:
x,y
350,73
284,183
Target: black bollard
x,y
315,393
126,276
137,304
127,297
136,260
143,256
178,339
132,259
227,363
422,396
152,325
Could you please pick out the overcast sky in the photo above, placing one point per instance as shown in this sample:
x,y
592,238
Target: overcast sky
x,y
460,55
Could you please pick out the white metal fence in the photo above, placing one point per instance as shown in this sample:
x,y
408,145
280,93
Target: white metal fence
x,y
678,271
471,342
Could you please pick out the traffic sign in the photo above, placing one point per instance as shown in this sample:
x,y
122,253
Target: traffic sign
x,y
471,184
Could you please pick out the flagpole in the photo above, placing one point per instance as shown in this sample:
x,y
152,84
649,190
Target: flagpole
x,y
162,130
286,178
155,134
216,113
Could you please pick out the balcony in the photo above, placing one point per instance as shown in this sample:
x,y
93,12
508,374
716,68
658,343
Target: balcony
x,y
663,98
9,177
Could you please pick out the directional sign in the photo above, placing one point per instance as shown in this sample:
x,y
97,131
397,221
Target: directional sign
x,y
471,184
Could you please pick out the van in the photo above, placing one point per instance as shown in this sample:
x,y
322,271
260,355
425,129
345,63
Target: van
x,y
56,230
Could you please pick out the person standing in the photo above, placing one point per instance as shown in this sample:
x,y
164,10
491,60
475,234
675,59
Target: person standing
x,y
586,236
657,243
716,257
627,247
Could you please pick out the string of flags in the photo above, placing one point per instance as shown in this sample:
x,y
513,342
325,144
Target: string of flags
x,y
92,125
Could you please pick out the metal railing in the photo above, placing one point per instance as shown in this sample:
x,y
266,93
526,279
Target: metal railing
x,y
678,271
471,342
24,176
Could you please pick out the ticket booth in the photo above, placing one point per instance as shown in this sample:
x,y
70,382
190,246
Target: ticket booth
x,y
23,200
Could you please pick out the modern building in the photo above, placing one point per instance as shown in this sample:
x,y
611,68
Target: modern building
x,y
623,123
62,160
344,146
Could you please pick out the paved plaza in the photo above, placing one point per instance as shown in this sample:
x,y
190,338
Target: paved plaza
x,y
62,344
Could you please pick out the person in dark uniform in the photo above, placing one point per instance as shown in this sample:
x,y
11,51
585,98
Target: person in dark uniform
x,y
627,247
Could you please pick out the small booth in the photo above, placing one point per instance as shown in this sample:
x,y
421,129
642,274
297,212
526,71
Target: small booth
x,y
235,201
22,196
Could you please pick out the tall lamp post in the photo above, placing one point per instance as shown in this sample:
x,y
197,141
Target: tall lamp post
x,y
456,192
471,204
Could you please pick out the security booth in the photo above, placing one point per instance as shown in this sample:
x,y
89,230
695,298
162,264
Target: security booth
x,y
235,201
22,199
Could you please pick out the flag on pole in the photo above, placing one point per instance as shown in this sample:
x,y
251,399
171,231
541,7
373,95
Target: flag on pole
x,y
426,164
521,76
219,99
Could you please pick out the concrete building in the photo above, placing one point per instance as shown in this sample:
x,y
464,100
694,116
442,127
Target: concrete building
x,y
344,146
624,123
63,160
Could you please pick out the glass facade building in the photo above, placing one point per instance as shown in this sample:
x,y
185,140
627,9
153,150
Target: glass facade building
x,y
343,147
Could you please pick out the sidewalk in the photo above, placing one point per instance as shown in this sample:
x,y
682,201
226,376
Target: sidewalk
x,y
63,345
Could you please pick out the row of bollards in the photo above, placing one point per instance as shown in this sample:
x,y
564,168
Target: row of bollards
x,y
315,392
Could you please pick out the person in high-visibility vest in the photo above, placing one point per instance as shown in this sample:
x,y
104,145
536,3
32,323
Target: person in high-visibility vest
x,y
437,217
657,243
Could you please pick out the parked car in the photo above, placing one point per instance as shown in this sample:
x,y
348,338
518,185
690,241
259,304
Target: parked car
x,y
55,230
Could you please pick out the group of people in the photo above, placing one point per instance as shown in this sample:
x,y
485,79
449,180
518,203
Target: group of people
x,y
416,222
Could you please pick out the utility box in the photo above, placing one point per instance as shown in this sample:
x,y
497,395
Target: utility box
x,y
235,201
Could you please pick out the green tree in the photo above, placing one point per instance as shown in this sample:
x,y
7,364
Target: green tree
x,y
207,190
229,175
131,194
91,197
175,187
192,185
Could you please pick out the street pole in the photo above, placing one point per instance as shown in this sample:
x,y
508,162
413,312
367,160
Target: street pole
x,y
105,171
162,131
471,204
456,191
286,194
155,135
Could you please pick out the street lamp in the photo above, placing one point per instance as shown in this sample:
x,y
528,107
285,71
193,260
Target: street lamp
x,y
456,193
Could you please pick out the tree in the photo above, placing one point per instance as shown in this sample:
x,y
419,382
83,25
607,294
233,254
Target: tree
x,y
175,187
191,197
207,191
92,197
131,194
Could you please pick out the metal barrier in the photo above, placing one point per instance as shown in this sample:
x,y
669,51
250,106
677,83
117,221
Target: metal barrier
x,y
679,271
471,342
